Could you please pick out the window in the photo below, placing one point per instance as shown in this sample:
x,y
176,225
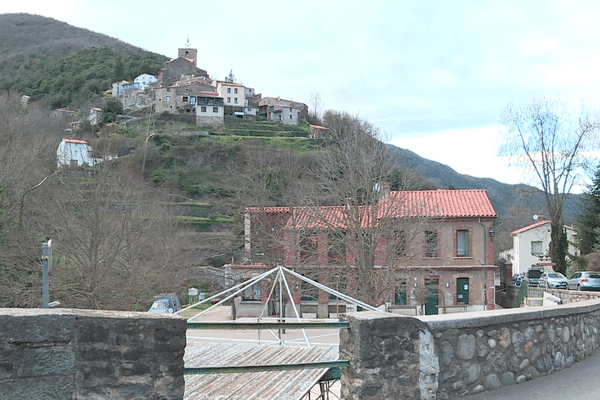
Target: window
x,y
400,293
400,243
308,248
536,247
336,246
228,90
235,90
253,293
462,243
185,99
235,100
168,98
308,291
337,283
431,244
229,100
215,109
203,109
291,117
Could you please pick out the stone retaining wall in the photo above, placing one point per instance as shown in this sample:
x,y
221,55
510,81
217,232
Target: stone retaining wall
x,y
449,356
80,354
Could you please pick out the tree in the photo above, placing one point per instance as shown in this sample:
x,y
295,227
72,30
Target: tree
x,y
230,78
28,140
350,176
547,137
316,103
588,220
110,110
114,240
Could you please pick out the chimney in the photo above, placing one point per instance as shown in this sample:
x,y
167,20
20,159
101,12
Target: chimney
x,y
386,190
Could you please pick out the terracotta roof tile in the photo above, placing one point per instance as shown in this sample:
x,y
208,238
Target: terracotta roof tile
x,y
440,203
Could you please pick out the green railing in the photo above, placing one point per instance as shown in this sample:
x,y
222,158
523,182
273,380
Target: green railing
x,y
334,366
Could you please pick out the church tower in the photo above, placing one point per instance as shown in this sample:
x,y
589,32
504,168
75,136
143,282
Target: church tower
x,y
189,53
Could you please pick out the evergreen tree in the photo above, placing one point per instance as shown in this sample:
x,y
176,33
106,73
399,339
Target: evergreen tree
x,y
559,247
588,221
119,73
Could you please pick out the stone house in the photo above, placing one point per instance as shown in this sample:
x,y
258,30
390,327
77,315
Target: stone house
x,y
95,116
318,132
180,96
443,238
531,244
184,65
287,112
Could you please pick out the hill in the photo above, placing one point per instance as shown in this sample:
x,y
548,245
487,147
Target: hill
x,y
69,66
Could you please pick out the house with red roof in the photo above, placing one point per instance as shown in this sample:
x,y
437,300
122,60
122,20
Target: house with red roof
x,y
74,152
436,240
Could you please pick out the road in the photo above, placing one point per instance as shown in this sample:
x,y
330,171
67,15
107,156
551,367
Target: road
x,y
581,382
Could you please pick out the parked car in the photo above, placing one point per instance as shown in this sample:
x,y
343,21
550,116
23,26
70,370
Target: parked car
x,y
553,280
517,279
165,303
584,281
533,276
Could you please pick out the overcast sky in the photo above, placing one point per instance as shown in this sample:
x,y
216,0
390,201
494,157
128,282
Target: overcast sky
x,y
432,75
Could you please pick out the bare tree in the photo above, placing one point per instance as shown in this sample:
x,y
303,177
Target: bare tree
x,y
28,140
317,104
114,240
350,204
545,135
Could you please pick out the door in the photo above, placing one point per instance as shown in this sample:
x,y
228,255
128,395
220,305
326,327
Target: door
x,y
462,290
431,304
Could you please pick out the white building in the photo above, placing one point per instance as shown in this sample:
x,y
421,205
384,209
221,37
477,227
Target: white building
x,y
531,244
144,80
74,152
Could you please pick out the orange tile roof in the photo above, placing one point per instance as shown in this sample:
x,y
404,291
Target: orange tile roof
x,y
536,225
440,204
403,204
75,141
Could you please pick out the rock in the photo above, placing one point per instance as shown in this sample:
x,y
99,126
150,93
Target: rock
x,y
524,364
507,379
482,351
565,335
528,333
479,333
451,372
528,346
465,349
457,385
472,373
492,343
492,382
532,373
521,379
477,389
504,337
446,353
517,339
492,333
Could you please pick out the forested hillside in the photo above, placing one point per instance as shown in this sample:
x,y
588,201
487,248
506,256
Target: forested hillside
x,y
47,59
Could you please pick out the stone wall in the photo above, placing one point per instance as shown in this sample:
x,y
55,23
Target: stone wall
x,y
80,354
449,356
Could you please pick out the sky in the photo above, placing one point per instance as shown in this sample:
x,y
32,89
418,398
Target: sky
x,y
433,76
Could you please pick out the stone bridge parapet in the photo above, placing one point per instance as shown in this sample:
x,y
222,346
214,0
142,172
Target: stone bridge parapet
x,y
83,354
449,356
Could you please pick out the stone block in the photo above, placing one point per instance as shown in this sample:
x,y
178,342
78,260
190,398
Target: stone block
x,y
43,361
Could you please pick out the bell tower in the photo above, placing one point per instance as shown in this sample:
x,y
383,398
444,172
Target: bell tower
x,y
189,53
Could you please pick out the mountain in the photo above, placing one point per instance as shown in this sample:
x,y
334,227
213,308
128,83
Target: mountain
x,y
515,204
24,34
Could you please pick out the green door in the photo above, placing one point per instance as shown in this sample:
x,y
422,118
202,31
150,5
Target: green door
x,y
431,304
462,290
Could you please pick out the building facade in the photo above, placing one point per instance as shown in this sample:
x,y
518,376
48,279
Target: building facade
x,y
436,246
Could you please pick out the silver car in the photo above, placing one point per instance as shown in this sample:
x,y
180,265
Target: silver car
x,y
584,281
553,280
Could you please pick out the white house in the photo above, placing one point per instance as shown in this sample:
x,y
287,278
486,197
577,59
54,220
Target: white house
x,y
144,80
531,244
74,152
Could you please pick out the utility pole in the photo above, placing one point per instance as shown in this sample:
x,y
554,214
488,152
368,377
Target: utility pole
x,y
46,266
